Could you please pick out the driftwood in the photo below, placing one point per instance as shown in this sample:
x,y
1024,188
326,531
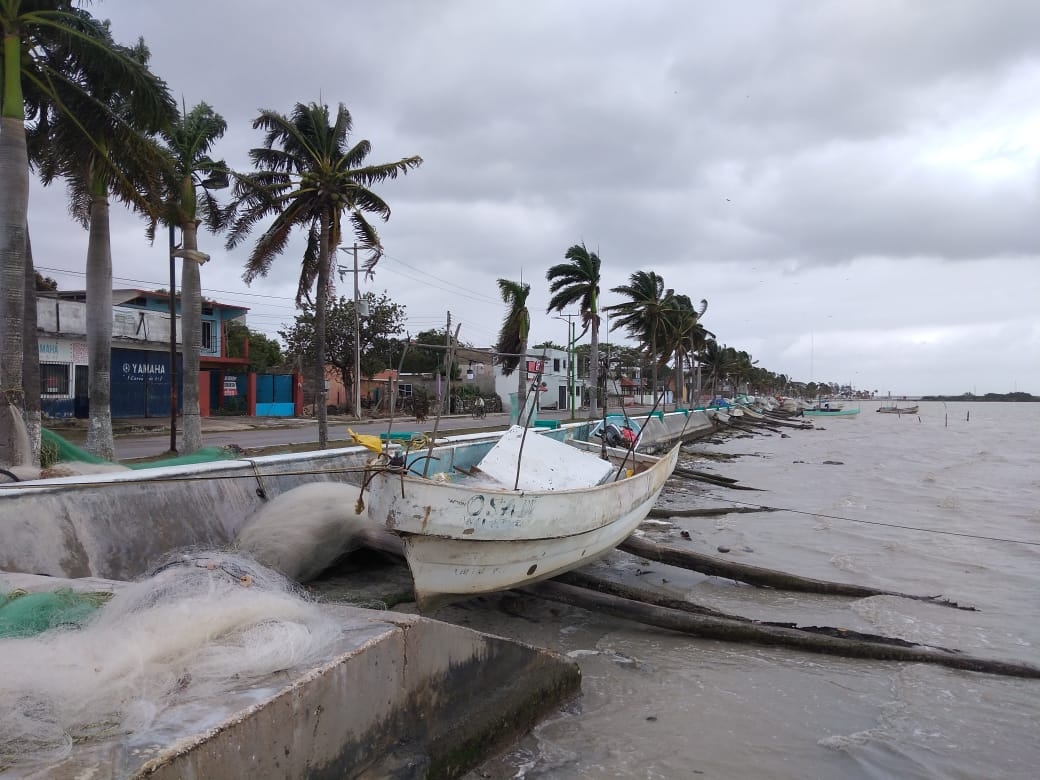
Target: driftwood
x,y
755,575
711,627
701,476
581,579
711,511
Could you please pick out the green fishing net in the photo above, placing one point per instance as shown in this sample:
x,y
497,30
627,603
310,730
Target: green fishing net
x,y
28,614
55,449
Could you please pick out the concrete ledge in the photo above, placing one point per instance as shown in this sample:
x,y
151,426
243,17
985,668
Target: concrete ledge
x,y
405,696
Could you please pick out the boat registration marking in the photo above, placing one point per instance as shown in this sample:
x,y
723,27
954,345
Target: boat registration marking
x,y
498,511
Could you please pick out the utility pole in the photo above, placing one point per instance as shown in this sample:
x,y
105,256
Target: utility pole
x,y
446,406
173,345
357,340
572,375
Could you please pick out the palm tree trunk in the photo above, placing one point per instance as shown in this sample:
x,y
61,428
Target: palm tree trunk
x,y
594,367
653,370
14,206
680,385
191,344
31,366
523,383
321,306
99,329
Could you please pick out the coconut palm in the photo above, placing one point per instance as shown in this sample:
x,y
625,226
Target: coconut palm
x,y
192,175
44,45
307,177
512,336
681,323
577,282
645,314
99,145
719,360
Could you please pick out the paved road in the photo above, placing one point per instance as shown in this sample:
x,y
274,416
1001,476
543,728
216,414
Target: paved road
x,y
289,432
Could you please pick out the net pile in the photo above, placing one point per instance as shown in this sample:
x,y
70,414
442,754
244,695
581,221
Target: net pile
x,y
201,625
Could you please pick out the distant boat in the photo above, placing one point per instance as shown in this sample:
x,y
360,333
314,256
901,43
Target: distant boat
x,y
898,409
824,411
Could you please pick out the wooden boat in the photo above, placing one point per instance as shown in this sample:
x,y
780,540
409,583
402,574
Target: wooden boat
x,y
898,409
821,411
527,508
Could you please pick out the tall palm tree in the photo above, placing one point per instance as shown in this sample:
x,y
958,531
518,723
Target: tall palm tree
x,y
43,44
192,175
681,321
645,314
577,281
308,177
101,153
719,360
512,336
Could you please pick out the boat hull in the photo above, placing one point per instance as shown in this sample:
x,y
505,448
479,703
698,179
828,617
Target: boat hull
x,y
462,541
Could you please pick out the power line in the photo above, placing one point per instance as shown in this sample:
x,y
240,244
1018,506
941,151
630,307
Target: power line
x,y
886,525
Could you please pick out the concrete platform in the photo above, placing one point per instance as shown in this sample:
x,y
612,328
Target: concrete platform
x,y
401,696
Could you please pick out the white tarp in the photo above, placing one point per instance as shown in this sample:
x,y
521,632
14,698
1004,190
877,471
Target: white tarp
x,y
547,464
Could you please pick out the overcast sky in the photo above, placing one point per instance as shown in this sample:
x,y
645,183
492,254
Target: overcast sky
x,y
853,186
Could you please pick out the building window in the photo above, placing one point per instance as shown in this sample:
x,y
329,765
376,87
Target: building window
x,y
54,379
207,335
556,365
404,391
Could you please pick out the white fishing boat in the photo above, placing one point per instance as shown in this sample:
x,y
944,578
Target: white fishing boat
x,y
488,518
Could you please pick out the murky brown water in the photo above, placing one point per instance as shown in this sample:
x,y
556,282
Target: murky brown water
x,y
659,705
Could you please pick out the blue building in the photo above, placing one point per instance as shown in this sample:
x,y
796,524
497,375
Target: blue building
x,y
141,370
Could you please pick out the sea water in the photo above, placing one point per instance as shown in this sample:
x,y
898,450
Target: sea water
x,y
944,503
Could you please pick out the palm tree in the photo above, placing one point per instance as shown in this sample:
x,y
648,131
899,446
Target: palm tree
x,y
42,45
192,176
100,147
307,177
645,314
681,322
719,360
577,281
512,336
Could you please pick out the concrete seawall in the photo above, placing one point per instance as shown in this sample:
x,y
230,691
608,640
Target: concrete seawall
x,y
117,525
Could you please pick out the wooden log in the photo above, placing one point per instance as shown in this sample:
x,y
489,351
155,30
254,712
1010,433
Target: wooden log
x,y
711,511
700,476
710,627
758,576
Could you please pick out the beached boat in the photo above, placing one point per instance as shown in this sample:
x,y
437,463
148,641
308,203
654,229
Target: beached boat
x,y
482,519
824,411
898,409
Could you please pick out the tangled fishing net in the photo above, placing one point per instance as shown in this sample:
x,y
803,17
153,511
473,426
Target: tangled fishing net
x,y
202,624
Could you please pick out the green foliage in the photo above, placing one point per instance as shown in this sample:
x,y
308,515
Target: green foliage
x,y
512,336
379,347
426,353
264,352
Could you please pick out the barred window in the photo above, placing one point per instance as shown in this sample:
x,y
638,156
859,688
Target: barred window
x,y
404,391
54,379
